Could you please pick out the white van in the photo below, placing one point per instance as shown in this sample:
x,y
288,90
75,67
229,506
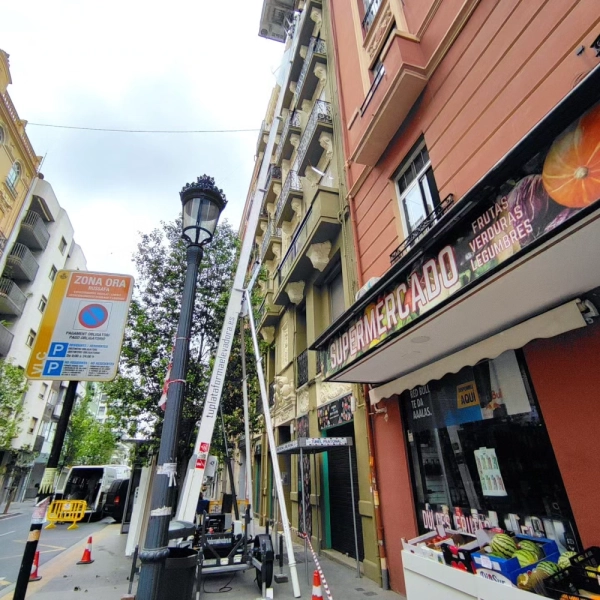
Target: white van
x,y
91,483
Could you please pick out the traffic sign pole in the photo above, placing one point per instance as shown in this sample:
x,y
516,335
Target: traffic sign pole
x,y
46,490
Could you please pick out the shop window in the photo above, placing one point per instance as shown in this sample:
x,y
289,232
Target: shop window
x,y
337,304
480,454
43,303
417,189
30,338
53,272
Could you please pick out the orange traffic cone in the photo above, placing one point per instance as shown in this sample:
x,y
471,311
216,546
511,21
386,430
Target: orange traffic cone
x,y
317,592
35,576
86,559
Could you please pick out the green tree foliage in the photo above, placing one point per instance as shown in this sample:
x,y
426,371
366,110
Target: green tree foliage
x,y
13,385
88,442
135,393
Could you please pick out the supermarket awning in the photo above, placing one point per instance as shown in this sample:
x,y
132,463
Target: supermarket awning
x,y
549,324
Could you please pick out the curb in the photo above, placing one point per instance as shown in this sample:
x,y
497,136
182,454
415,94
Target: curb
x,y
56,565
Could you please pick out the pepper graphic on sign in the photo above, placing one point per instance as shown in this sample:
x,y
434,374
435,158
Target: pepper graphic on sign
x,y
93,316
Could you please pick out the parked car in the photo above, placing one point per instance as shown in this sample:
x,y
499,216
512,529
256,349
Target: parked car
x,y
114,506
92,483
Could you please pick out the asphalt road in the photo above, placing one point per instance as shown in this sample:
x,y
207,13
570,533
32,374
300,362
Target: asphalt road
x,y
14,528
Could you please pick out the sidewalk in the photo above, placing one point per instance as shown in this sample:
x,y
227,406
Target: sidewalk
x,y
107,577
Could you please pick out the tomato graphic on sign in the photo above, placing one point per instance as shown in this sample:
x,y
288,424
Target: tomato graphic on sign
x,y
204,446
200,463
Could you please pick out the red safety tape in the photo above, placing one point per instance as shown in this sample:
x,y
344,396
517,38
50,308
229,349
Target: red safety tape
x,y
317,563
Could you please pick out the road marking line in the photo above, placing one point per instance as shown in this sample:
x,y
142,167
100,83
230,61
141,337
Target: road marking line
x,y
4,581
7,533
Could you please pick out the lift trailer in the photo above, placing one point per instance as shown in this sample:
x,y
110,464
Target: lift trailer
x,y
239,302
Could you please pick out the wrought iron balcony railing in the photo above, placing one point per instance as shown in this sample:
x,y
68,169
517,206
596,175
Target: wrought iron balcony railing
x,y
274,174
296,245
424,226
293,120
270,232
302,369
318,46
370,14
292,184
321,113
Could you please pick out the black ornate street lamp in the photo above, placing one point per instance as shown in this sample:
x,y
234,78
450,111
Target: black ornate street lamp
x,y
202,203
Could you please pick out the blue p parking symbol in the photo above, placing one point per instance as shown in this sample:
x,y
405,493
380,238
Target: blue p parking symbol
x,y
58,350
53,368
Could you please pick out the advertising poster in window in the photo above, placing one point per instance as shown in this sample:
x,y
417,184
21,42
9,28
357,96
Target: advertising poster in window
x,y
481,457
335,413
543,194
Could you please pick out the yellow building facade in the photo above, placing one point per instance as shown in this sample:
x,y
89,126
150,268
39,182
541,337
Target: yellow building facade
x,y
18,162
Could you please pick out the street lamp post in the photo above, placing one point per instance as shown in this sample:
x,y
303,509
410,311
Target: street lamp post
x,y
202,205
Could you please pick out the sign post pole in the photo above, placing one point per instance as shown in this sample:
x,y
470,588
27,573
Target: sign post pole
x,y
79,339
45,491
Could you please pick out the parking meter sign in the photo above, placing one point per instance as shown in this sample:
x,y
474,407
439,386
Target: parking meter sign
x,y
81,332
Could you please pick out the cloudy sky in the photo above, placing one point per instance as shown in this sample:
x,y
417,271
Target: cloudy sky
x,y
132,64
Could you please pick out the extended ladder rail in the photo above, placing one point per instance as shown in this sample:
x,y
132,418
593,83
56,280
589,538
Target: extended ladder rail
x,y
195,475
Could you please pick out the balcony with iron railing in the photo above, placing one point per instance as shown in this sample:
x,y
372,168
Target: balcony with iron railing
x,y
309,249
261,143
12,299
6,338
308,80
2,243
292,188
268,312
21,264
34,232
310,148
422,229
291,127
302,369
273,177
271,236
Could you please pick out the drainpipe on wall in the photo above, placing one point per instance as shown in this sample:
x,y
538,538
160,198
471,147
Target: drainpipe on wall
x,y
385,577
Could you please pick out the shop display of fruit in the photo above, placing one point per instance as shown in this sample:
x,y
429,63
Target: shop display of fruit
x,y
582,594
547,567
532,547
593,572
571,172
526,557
504,545
565,559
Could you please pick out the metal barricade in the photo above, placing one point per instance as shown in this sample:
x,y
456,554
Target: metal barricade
x,y
65,511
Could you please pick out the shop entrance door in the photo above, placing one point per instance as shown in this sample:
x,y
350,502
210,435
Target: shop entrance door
x,y
340,495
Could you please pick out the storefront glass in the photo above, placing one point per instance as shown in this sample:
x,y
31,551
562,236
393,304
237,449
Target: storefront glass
x,y
481,457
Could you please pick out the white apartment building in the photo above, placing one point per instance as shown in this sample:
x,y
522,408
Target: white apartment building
x,y
40,246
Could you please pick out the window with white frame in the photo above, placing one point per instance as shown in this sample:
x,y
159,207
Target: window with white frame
x,y
63,245
417,189
43,303
53,272
43,390
13,176
30,338
32,424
